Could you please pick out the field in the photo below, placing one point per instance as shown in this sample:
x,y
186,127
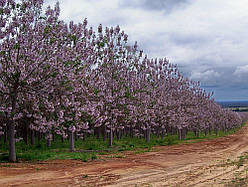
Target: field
x,y
240,109
219,162
238,106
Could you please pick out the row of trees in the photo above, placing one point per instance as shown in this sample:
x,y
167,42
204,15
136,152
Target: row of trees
x,y
66,79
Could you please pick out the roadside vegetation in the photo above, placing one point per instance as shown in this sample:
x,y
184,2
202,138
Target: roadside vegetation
x,y
92,147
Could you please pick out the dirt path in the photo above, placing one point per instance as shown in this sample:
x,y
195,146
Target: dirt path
x,y
208,163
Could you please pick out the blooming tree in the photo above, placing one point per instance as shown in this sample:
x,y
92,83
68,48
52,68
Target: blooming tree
x,y
38,60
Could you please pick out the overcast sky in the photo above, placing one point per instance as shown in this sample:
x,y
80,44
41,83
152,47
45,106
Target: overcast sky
x,y
208,39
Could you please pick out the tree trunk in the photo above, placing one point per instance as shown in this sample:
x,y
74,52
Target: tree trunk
x,y
163,133
131,132
32,138
25,134
104,132
111,137
11,130
209,131
49,142
76,136
53,136
118,132
167,130
39,138
98,133
5,134
225,129
158,130
72,141
197,133
126,131
206,132
12,151
216,131
148,135
184,130
180,134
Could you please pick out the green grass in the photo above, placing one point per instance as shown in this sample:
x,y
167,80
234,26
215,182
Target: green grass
x,y
89,149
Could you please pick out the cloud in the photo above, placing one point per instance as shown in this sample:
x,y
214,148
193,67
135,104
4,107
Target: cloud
x,y
155,5
104,12
241,71
240,76
209,77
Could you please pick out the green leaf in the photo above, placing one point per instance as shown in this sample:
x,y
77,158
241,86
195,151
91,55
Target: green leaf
x,y
2,53
47,29
102,44
68,63
1,11
42,17
74,38
52,40
12,114
16,46
15,75
23,83
23,8
54,74
13,6
96,91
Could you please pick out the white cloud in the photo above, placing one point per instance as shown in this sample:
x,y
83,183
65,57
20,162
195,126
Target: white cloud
x,y
241,71
209,76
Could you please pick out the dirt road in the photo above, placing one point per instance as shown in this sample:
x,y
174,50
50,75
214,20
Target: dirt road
x,y
208,163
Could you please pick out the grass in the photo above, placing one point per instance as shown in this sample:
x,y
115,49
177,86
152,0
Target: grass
x,y
116,156
91,147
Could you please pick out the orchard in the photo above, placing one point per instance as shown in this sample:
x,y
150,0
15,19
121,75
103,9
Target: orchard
x,y
67,80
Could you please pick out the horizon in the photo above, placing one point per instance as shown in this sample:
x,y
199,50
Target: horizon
x,y
231,101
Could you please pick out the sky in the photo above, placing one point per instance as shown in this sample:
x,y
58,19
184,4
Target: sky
x,y
207,39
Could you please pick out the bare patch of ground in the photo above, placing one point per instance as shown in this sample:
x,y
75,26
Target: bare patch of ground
x,y
218,162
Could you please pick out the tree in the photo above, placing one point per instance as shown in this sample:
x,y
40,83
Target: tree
x,y
38,56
